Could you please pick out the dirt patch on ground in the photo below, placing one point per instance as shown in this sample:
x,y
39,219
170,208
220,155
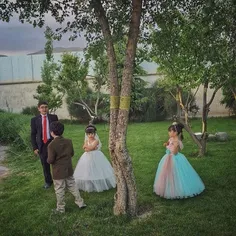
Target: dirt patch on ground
x,y
3,169
144,211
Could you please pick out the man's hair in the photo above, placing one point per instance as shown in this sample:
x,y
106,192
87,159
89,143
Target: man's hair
x,y
42,103
57,128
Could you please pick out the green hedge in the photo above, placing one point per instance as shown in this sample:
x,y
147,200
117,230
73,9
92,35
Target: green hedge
x,y
15,130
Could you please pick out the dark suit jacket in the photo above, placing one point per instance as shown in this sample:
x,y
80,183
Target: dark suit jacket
x,y
60,153
36,130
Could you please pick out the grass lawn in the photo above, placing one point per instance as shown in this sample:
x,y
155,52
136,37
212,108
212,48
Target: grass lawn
x,y
25,207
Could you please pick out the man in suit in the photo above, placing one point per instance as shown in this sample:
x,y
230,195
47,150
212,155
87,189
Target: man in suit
x,y
40,138
60,153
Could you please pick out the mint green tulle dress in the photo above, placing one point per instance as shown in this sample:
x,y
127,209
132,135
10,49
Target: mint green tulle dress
x,y
175,177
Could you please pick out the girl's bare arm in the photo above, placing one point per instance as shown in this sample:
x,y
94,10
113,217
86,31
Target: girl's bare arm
x,y
92,147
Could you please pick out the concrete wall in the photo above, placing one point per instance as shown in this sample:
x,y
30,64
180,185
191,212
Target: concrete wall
x,y
15,97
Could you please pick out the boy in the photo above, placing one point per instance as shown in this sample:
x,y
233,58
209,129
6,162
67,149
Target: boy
x,y
60,152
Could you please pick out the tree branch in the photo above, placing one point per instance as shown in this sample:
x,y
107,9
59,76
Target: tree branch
x,y
86,107
233,92
213,95
189,130
97,101
194,95
131,47
172,95
100,13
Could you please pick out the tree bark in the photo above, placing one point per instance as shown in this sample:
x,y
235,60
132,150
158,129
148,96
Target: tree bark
x,y
121,151
233,92
177,97
190,132
185,122
126,195
182,106
205,111
114,101
97,101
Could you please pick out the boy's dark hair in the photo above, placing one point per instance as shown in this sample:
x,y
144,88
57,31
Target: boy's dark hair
x,y
57,128
90,129
42,103
177,127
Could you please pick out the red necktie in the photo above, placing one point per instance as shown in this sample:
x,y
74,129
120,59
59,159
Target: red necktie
x,y
45,138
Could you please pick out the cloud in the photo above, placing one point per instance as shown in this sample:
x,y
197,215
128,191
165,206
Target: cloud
x,y
18,38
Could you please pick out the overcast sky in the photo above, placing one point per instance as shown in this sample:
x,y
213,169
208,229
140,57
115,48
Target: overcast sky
x,y
17,38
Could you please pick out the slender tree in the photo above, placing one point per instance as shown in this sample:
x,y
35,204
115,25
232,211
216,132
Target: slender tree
x,y
190,44
49,73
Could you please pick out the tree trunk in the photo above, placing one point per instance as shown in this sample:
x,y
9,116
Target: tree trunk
x,y
190,132
97,101
126,196
121,151
205,111
185,122
182,106
177,97
233,92
114,100
202,150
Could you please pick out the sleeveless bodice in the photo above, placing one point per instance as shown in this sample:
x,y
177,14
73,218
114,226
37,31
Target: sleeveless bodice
x,y
170,146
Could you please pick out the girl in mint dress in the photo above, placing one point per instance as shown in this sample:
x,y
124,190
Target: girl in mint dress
x,y
175,177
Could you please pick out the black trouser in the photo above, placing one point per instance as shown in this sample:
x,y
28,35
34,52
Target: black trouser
x,y
46,167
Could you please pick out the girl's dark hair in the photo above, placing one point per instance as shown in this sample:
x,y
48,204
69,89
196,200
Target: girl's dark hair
x,y
90,129
177,128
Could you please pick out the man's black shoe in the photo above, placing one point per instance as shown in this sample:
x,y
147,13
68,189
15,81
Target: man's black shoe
x,y
46,186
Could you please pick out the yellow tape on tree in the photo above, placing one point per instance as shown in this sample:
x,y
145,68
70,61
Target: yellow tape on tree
x,y
125,102
114,102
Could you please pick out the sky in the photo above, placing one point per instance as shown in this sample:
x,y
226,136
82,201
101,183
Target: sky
x,y
17,38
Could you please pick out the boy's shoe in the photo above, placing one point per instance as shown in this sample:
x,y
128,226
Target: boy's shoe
x,y
83,206
55,211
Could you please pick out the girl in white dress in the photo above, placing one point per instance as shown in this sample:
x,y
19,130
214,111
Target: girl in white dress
x,y
93,172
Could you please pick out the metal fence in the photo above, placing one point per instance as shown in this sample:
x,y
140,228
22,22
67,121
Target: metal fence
x,y
25,68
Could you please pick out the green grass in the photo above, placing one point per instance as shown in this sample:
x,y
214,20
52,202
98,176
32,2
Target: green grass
x,y
25,208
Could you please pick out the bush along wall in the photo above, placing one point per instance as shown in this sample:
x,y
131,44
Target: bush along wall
x,y
15,130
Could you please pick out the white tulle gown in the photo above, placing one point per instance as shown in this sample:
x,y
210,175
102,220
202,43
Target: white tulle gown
x,y
93,172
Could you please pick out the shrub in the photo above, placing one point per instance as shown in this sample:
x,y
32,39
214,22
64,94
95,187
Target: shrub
x,y
161,105
229,100
15,130
33,110
78,112
155,108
